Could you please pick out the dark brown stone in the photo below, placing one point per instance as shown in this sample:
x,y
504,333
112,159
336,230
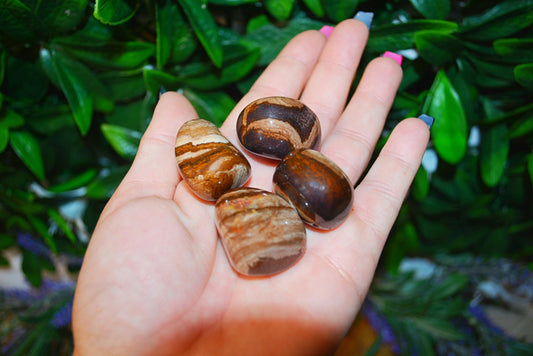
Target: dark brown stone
x,y
207,161
276,125
316,187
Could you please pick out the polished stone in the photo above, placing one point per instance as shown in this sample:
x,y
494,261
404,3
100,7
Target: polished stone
x,y
207,161
262,233
316,187
274,126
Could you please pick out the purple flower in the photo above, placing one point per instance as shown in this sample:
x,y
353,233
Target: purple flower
x,y
477,312
29,243
62,317
380,325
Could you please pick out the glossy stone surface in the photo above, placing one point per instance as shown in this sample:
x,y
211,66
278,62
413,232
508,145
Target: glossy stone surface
x,y
274,126
207,161
316,187
262,233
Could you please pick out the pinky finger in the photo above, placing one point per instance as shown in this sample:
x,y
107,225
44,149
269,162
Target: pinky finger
x,y
380,195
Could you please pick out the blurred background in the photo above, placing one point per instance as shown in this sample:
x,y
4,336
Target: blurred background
x,y
79,80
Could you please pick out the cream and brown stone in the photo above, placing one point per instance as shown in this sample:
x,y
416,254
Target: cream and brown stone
x,y
207,161
276,125
262,234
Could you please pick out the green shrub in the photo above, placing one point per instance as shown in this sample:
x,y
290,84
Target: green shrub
x,y
79,80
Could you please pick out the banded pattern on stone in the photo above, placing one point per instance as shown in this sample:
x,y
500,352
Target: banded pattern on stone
x,y
261,233
274,126
207,161
316,187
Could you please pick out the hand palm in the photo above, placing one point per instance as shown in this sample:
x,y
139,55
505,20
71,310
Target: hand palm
x,y
155,278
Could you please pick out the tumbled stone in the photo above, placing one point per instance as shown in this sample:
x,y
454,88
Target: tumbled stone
x,y
261,233
207,161
316,187
276,125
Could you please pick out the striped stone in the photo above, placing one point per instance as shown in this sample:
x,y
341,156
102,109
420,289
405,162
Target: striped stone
x,y
207,161
261,233
316,187
276,125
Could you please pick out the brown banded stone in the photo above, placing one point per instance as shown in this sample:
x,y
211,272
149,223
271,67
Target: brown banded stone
x,y
261,233
276,125
316,187
207,161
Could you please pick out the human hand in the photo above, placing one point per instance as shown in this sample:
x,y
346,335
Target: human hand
x,y
155,279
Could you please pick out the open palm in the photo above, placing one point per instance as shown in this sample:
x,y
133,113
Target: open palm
x,y
155,279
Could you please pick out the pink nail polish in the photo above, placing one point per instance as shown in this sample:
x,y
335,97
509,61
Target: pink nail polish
x,y
326,30
397,57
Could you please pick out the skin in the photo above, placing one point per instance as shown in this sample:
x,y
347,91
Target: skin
x,y
155,279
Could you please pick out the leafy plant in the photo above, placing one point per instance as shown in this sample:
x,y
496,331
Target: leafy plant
x,y
79,80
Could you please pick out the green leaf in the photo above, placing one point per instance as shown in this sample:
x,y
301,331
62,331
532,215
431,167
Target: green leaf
x,y
449,286
124,86
520,128
486,68
432,9
396,37
341,9
69,77
63,225
42,229
439,329
524,75
11,119
316,7
420,187
155,79
205,28
437,48
6,241
106,183
2,66
8,120
504,19
130,116
280,9
213,106
449,131
493,156
28,150
124,141
239,60
31,267
30,20
175,40
75,182
24,80
530,166
519,50
272,39
4,138
108,54
231,2
115,12
47,120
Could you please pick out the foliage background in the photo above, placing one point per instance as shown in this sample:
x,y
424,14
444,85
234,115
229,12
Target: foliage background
x,y
79,80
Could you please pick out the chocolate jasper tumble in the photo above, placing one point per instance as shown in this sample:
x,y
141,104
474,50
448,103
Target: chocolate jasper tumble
x,y
316,187
261,233
207,161
276,125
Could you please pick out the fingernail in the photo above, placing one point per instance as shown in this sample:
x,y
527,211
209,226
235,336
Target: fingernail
x,y
162,91
397,57
326,30
429,120
365,17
